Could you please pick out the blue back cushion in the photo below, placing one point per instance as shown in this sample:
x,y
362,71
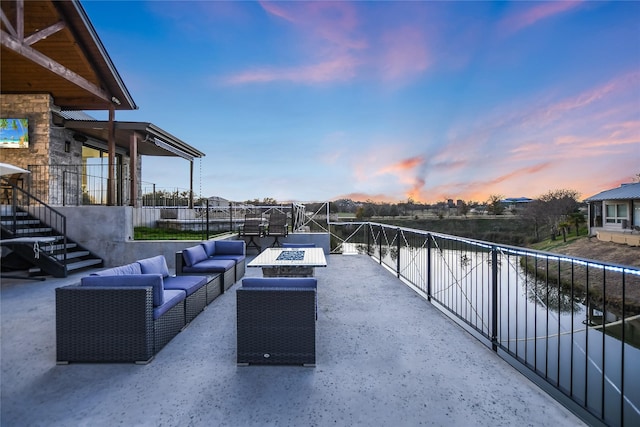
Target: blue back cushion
x,y
194,255
154,265
209,247
134,280
280,282
229,247
133,268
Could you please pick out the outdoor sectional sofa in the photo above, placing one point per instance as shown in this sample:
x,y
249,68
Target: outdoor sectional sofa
x,y
126,313
225,257
276,321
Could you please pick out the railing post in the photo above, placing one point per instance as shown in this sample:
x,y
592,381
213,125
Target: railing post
x,y
206,218
64,188
398,252
494,298
429,267
368,239
230,216
380,246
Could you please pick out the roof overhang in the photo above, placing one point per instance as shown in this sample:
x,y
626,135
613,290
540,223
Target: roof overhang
x,y
153,141
628,191
52,47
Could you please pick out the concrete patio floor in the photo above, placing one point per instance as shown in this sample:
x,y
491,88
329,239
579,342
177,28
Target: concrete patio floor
x,y
385,356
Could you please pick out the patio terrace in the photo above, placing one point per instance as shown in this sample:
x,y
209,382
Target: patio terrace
x,y
385,356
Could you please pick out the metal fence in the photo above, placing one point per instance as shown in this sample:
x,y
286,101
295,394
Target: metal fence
x,y
162,222
572,325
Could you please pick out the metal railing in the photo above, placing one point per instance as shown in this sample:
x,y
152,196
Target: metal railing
x,y
18,207
203,220
572,325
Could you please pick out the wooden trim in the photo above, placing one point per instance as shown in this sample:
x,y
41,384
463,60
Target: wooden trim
x,y
43,34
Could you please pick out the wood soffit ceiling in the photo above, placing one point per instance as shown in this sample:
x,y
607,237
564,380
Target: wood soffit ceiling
x,y
51,47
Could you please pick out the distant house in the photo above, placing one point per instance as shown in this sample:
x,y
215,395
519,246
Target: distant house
x,y
617,209
513,203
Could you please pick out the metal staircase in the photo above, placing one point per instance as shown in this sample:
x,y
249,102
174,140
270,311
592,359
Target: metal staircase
x,y
26,216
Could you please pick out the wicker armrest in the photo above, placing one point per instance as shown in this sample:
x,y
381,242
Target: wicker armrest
x,y
104,324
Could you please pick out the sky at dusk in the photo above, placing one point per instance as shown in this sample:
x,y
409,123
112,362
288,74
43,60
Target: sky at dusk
x,y
383,101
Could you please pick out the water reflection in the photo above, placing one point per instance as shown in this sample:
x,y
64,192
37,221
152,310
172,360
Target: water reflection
x,y
554,297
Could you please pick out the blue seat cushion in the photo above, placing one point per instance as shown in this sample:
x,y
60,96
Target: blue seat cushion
x,y
194,255
211,266
154,265
171,298
134,280
189,284
236,258
133,268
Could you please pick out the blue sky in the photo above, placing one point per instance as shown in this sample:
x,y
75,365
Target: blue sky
x,y
383,101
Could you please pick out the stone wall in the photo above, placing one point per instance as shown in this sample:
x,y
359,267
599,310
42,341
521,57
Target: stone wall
x,y
36,108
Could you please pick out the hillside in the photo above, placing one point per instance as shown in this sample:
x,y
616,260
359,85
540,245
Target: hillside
x,y
594,249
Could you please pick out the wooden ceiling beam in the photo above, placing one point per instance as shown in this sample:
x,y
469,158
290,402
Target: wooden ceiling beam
x,y
8,24
43,34
55,67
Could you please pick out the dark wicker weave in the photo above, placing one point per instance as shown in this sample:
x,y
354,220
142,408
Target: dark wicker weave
x,y
214,288
195,303
111,324
276,326
169,325
229,279
241,268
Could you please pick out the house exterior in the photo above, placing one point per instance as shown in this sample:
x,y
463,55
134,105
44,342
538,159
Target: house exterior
x,y
615,211
54,68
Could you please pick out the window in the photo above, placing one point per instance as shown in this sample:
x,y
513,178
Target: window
x,y
616,213
95,165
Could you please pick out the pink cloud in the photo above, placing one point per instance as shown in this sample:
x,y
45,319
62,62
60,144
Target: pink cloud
x,y
342,68
402,166
531,15
404,53
334,46
331,21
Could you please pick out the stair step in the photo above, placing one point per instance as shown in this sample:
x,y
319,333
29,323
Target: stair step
x,y
21,222
84,263
31,231
72,255
9,214
59,247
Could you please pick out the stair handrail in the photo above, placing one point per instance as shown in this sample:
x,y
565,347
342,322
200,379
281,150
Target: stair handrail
x,y
28,204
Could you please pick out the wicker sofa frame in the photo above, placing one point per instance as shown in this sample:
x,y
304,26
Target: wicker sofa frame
x,y
227,278
112,324
276,322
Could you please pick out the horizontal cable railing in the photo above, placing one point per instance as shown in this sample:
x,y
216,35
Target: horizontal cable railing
x,y
570,324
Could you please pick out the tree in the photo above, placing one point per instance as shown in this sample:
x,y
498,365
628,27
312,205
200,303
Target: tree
x,y
464,208
494,204
577,218
558,205
534,213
